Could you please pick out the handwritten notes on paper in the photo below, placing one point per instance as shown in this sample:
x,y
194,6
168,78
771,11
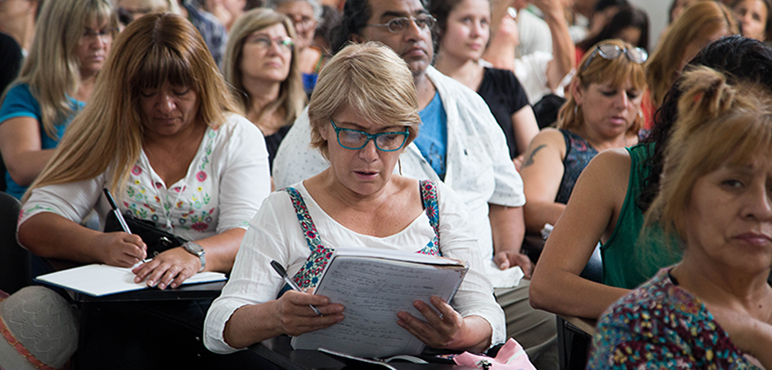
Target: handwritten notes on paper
x,y
373,289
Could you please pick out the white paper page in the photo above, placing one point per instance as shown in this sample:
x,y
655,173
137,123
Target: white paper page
x,y
98,280
394,255
372,293
508,278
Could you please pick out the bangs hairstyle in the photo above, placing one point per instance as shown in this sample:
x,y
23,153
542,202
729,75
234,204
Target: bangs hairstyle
x,y
370,80
52,68
291,94
613,72
719,124
166,47
108,133
698,20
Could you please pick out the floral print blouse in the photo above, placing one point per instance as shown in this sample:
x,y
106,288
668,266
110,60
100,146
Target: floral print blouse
x,y
225,185
661,326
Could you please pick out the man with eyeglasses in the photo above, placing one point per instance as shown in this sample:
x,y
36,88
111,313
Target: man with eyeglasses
x,y
460,143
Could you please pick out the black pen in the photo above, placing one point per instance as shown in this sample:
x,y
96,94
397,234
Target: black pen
x,y
117,212
283,273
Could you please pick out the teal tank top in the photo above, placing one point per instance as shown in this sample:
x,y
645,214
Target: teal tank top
x,y
628,261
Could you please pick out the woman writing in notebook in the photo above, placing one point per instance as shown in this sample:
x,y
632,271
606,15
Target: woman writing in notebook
x,y
158,132
363,114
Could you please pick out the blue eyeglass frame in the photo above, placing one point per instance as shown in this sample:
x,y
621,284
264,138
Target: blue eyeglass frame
x,y
373,137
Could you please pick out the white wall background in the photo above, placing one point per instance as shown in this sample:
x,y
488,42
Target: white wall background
x,y
657,10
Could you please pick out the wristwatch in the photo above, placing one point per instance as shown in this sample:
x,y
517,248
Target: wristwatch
x,y
198,251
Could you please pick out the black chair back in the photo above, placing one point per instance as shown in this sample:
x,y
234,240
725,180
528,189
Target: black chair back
x,y
14,260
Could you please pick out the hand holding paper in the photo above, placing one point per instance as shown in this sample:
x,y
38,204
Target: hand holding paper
x,y
442,325
296,318
170,268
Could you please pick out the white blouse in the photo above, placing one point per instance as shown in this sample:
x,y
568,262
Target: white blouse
x,y
225,184
275,234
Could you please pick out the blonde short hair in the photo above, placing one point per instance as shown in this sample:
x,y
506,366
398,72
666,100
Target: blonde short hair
x,y
615,72
719,123
369,79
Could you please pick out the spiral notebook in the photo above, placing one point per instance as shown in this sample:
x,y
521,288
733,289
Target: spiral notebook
x,y
373,285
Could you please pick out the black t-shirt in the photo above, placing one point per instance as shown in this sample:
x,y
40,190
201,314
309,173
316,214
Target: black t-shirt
x,y
272,143
504,95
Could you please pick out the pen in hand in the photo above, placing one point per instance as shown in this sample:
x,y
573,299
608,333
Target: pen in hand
x,y
117,212
283,273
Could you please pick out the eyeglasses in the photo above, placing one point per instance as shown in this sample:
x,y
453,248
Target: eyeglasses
x,y
105,35
262,42
397,25
302,22
611,52
384,141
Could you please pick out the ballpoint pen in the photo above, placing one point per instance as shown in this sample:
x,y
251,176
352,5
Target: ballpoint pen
x,y
283,273
117,212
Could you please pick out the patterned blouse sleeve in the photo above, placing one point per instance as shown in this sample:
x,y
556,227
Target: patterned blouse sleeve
x,y
649,329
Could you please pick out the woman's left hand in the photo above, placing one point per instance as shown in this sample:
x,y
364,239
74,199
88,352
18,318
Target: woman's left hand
x,y
439,330
169,268
507,259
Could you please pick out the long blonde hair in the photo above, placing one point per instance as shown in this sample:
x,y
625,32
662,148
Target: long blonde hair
x,y
52,68
292,97
108,133
615,72
697,20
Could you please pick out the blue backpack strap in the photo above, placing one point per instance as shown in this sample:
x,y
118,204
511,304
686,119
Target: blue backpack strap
x,y
429,199
308,275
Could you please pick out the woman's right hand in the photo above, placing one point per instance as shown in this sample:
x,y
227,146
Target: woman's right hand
x,y
289,315
295,317
121,249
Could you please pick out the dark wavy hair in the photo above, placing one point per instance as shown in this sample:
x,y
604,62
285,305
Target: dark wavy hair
x,y
741,59
356,13
628,16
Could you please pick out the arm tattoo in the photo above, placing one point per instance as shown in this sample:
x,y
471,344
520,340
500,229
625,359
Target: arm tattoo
x,y
529,161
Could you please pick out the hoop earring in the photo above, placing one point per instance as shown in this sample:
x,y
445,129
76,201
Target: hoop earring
x,y
640,113
399,164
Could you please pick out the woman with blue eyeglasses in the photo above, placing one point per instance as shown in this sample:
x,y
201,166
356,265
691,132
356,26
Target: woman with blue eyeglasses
x,y
363,114
602,111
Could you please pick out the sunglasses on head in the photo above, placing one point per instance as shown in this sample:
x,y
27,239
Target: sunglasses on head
x,y
611,52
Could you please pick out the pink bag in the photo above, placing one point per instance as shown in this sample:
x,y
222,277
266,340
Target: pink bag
x,y
511,356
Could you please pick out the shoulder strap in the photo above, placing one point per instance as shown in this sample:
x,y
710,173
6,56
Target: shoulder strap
x,y
304,218
308,275
429,199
